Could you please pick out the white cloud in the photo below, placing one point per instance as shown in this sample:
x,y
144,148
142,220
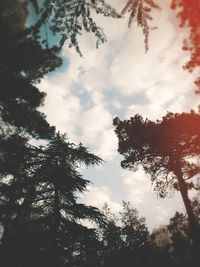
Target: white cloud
x,y
61,107
137,185
107,146
97,196
111,77
97,131
94,121
149,111
122,66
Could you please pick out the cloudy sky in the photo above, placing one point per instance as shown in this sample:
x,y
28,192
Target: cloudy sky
x,y
120,79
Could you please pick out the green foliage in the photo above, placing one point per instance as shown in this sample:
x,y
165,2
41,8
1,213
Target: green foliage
x,y
21,55
68,19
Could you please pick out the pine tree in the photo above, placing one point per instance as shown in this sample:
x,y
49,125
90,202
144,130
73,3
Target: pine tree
x,y
22,63
162,148
48,224
38,185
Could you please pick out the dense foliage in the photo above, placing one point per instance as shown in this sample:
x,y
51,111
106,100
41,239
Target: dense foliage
x,y
39,209
181,236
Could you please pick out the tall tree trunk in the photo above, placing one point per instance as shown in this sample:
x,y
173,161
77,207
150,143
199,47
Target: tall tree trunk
x,y
193,226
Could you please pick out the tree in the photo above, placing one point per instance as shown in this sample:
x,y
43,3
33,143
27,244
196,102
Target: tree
x,y
13,15
15,178
126,240
110,234
163,149
38,186
178,227
23,62
45,229
188,14
136,237
30,215
181,236
68,19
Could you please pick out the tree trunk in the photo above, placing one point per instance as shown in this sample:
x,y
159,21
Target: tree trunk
x,y
191,217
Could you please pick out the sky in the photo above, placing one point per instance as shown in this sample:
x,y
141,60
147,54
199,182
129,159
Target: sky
x,y
120,79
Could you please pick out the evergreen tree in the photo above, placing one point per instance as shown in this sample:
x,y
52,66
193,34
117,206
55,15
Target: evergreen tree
x,y
162,148
179,230
69,19
181,235
111,238
126,240
46,230
31,205
22,63
135,236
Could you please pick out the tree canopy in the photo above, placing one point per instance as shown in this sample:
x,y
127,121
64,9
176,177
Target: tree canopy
x,y
160,146
163,148
39,209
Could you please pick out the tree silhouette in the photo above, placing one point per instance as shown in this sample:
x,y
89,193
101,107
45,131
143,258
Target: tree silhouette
x,y
126,239
23,61
178,227
162,148
111,238
136,237
39,210
45,213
